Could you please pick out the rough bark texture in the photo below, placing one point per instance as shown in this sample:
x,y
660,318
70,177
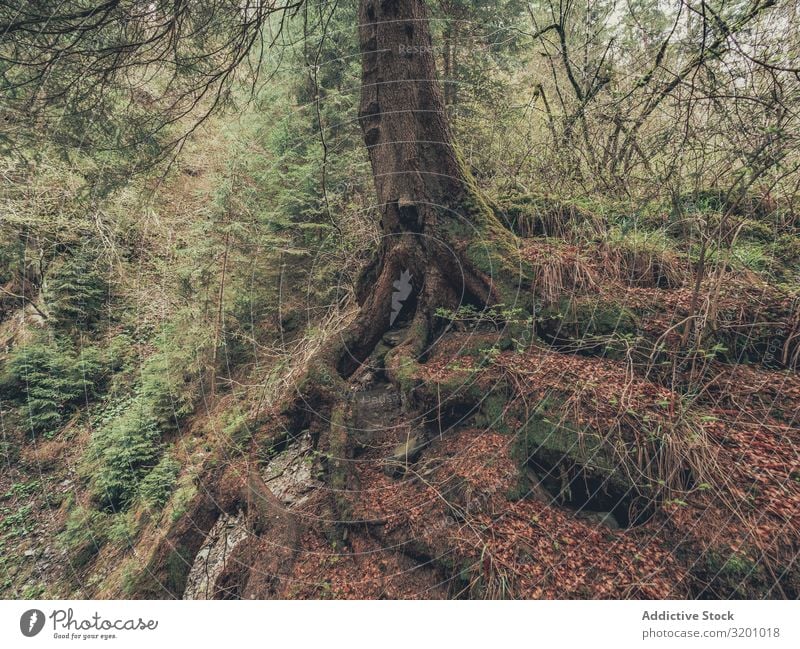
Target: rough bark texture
x,y
424,193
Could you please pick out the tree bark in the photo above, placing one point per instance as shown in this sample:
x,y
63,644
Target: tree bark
x,y
427,199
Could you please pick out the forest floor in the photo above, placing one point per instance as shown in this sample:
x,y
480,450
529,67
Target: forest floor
x,y
596,449
445,500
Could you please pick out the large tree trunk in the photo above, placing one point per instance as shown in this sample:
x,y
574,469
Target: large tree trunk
x,y
428,203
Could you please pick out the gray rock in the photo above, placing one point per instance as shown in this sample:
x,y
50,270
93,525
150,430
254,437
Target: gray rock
x,y
601,518
394,337
290,474
210,561
403,454
365,379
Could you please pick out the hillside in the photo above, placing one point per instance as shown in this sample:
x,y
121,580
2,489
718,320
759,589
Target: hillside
x,y
300,342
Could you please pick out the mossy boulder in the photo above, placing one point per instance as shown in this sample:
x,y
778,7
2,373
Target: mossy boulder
x,y
533,215
582,469
554,441
589,324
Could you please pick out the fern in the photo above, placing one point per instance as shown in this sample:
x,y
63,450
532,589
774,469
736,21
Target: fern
x,y
124,452
77,290
157,486
49,379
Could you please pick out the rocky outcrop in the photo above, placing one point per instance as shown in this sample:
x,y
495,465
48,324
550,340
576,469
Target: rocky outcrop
x,y
271,495
210,561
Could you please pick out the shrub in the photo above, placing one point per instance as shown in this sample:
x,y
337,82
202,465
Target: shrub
x,y
168,392
157,485
123,528
186,491
124,451
48,378
84,535
247,311
170,377
77,290
87,373
237,429
34,378
9,453
121,352
10,254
